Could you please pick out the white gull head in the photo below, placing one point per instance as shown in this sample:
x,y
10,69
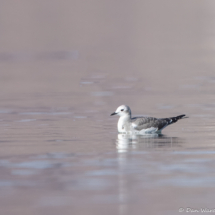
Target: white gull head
x,y
125,116
123,111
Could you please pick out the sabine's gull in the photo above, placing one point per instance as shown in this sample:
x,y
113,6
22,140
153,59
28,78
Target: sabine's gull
x,y
141,125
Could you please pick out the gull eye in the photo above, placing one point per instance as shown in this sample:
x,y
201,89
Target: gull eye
x,y
122,109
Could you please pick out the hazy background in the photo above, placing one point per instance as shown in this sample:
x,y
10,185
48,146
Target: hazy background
x,y
65,66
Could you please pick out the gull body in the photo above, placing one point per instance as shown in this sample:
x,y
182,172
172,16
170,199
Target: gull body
x,y
141,125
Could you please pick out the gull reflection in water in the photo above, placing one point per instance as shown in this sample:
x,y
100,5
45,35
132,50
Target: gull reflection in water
x,y
124,142
128,142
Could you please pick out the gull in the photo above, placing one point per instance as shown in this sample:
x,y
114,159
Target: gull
x,y
141,125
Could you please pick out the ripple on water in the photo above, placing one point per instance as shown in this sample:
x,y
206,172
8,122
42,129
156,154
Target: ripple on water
x,y
45,113
26,120
102,93
23,172
35,164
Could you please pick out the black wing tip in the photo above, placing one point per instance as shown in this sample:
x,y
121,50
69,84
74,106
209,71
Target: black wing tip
x,y
181,116
176,118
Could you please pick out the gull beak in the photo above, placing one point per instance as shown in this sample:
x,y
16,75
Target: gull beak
x,y
113,113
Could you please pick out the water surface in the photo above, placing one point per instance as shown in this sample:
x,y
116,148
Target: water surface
x,y
66,66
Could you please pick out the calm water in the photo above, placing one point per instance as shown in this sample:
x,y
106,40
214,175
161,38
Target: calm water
x,y
66,66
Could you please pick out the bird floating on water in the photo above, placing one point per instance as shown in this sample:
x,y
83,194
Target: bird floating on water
x,y
141,125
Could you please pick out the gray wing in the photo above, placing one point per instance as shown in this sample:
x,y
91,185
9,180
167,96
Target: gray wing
x,y
140,123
